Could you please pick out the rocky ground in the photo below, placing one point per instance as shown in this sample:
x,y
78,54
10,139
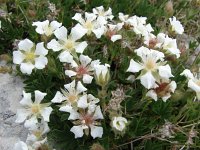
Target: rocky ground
x,y
10,94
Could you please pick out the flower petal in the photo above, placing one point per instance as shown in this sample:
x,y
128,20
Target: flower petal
x,y
55,25
82,102
152,94
26,100
96,131
194,86
134,67
78,131
39,96
66,57
74,115
147,80
31,122
116,37
87,79
58,98
61,33
41,62
98,114
187,73
45,113
99,32
40,50
18,57
81,47
80,88
54,45
85,60
78,17
26,68
25,45
78,32
70,86
165,71
70,73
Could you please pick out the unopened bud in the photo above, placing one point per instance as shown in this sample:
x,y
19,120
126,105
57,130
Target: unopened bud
x,y
102,75
169,8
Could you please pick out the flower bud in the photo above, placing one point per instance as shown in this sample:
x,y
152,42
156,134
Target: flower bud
x,y
169,10
102,74
119,123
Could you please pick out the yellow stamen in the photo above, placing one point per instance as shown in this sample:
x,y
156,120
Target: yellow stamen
x,y
69,44
29,56
35,108
89,25
72,98
150,64
37,134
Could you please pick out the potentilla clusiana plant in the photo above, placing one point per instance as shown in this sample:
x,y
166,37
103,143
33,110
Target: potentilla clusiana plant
x,y
100,82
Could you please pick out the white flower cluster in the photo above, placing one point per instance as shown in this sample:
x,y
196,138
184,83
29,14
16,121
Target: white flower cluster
x,y
35,114
155,73
84,109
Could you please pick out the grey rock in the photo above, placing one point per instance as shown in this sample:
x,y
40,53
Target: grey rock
x,y
11,88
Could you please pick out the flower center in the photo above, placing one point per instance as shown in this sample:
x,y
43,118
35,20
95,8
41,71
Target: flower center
x,y
48,30
89,25
69,44
162,89
37,134
35,108
88,120
152,43
72,98
150,64
102,13
81,70
30,56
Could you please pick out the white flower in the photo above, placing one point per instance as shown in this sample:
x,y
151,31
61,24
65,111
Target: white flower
x,y
176,25
170,46
152,67
193,83
139,25
100,12
125,19
112,31
83,69
119,123
68,43
69,96
29,56
32,111
87,120
102,74
163,90
46,28
91,23
37,135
